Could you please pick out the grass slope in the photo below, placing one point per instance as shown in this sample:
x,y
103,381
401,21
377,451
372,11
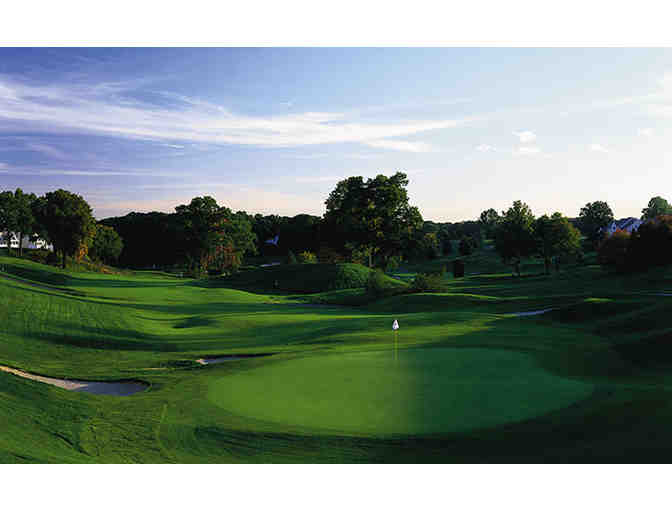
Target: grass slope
x,y
589,382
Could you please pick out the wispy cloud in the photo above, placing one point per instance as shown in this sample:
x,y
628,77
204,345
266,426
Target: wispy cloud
x,y
400,145
14,170
47,150
645,132
525,136
485,148
101,109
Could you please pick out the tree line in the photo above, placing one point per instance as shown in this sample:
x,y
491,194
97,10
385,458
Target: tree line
x,y
367,220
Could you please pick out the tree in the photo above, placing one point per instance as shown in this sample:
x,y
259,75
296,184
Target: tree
x,y
514,235
489,220
555,236
8,219
106,245
213,236
595,216
613,250
67,220
657,206
25,220
373,215
651,244
467,245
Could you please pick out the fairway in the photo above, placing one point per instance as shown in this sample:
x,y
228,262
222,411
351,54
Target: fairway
x,y
424,391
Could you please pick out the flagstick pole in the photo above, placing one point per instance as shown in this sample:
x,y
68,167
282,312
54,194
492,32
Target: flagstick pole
x,y
395,345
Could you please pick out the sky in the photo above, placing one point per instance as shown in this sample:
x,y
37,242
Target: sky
x,y
272,130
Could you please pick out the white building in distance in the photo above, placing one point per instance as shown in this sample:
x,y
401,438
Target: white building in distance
x,y
13,241
629,225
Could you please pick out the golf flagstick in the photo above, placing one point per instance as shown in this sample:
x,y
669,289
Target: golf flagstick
x,y
395,327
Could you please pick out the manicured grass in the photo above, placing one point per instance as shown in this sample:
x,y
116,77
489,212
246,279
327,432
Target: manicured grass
x,y
420,391
588,382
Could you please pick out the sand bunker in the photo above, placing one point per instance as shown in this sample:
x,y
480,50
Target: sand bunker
x,y
119,388
535,312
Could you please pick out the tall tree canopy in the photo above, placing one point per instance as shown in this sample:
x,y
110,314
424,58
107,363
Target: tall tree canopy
x,y
555,236
372,216
106,245
595,216
514,236
212,235
657,206
7,214
67,220
489,220
25,219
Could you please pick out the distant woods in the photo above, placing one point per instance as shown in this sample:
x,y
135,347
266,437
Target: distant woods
x,y
368,221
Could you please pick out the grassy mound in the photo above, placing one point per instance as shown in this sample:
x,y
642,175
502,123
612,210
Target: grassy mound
x,y
301,278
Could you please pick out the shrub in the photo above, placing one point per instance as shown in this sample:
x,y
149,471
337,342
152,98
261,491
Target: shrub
x,y
427,282
307,257
392,263
375,283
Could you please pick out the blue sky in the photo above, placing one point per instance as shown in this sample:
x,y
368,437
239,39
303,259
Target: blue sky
x,y
272,130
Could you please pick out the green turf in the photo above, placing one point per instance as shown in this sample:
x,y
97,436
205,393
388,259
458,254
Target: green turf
x,y
598,367
421,391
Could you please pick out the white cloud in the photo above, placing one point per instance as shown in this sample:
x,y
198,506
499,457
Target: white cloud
x,y
525,136
100,109
527,151
400,145
596,147
485,148
645,132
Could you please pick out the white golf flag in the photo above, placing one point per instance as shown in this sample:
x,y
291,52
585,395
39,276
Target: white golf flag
x,y
395,325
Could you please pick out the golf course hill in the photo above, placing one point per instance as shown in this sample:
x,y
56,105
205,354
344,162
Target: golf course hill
x,y
302,278
238,370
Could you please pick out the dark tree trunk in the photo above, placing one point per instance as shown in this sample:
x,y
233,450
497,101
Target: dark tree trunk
x,y
20,244
547,265
64,256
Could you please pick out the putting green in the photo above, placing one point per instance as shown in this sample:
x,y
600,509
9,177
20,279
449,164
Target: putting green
x,y
427,391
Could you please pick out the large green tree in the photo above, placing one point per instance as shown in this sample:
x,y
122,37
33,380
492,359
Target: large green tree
x,y
595,216
555,237
106,245
488,221
514,235
25,220
67,220
8,217
657,206
212,235
372,216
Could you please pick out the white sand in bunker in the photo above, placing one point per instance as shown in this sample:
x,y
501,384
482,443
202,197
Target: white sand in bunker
x,y
120,388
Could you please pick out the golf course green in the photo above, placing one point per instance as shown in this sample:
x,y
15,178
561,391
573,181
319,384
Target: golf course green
x,y
423,391
588,381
